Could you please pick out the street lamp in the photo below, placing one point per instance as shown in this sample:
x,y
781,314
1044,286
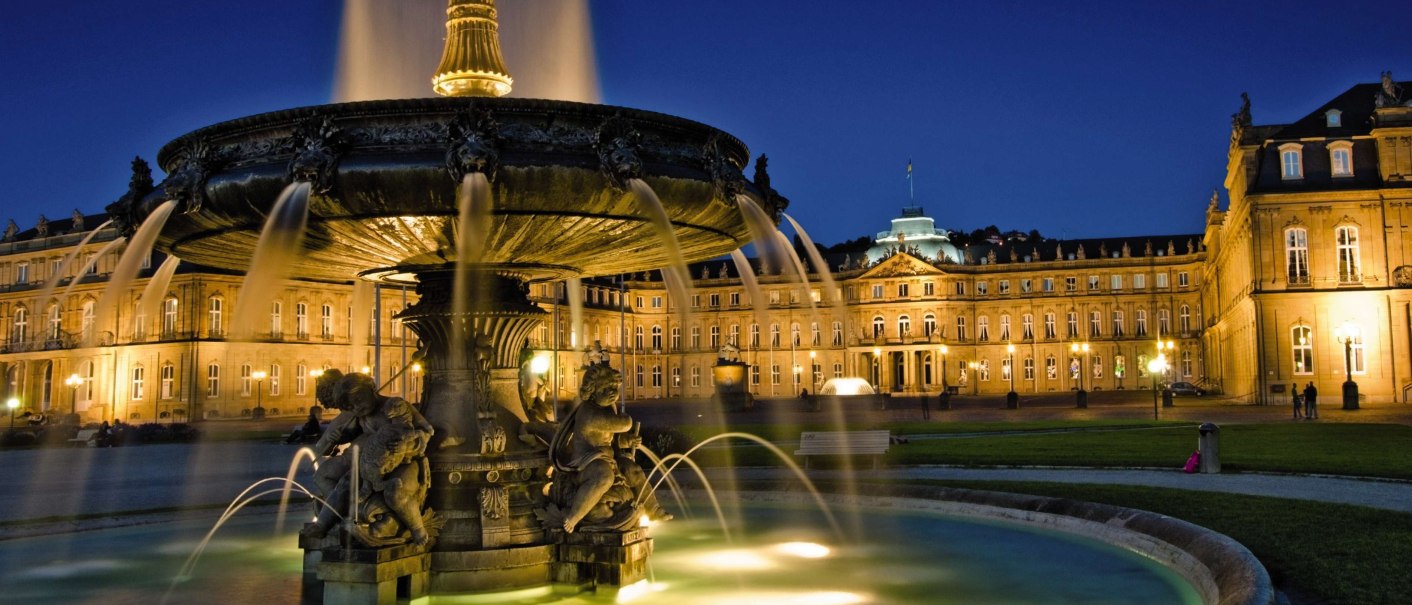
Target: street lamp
x,y
1012,399
13,404
416,379
877,367
1164,352
73,381
1347,334
1081,396
1155,366
259,412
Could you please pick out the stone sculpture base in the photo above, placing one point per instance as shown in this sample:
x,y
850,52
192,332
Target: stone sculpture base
x,y
381,576
607,560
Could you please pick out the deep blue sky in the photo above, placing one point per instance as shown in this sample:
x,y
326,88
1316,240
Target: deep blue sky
x,y
1081,119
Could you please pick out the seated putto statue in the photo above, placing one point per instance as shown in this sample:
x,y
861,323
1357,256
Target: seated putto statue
x,y
597,485
393,472
728,352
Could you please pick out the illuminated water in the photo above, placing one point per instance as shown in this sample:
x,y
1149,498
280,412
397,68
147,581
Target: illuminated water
x,y
906,557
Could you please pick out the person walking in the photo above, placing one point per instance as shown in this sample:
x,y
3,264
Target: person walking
x,y
1296,398
1311,402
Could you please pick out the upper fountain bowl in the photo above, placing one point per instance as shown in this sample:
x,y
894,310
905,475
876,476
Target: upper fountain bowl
x,y
385,176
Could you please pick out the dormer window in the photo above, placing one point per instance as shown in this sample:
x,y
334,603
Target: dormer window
x,y
1341,158
1291,161
1333,118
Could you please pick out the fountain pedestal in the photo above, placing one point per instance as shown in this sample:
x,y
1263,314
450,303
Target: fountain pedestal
x,y
383,576
604,559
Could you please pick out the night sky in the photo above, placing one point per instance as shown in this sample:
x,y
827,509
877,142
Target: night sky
x,y
1080,119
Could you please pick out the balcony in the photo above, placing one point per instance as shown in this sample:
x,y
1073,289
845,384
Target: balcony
x,y
1298,281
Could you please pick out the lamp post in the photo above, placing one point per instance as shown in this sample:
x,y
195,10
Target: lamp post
x,y
1347,334
1012,399
259,411
13,404
73,382
1081,396
1155,366
416,380
1164,353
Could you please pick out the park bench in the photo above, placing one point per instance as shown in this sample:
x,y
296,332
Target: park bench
x,y
83,438
843,443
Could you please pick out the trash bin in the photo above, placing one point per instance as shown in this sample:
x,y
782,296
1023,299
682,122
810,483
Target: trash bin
x,y
1167,398
1209,444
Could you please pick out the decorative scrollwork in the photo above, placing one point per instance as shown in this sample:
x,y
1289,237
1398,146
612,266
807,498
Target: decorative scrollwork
x,y
617,147
494,504
1402,276
318,146
475,145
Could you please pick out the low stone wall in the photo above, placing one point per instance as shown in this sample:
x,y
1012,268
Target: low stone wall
x,y
1222,570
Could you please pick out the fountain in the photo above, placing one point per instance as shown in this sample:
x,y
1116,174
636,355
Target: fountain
x,y
373,187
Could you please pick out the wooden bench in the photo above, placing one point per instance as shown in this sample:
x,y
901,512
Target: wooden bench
x,y
843,443
83,438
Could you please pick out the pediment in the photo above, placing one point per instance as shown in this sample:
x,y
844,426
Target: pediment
x,y
901,265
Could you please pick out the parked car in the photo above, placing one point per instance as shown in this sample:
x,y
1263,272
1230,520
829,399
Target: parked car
x,y
1186,388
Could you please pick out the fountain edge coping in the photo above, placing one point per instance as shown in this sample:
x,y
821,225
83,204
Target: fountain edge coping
x,y
1222,570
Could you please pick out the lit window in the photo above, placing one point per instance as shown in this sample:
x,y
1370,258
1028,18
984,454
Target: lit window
x,y
1297,256
928,325
960,328
1349,265
168,381
1302,348
983,328
982,288
902,290
1027,320
904,326
213,380
1139,281
1341,158
1005,327
1048,284
1049,331
1291,161
1029,368
1115,282
217,307
138,374
1004,286
878,326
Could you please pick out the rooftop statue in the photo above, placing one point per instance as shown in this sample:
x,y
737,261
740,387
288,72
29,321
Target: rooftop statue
x,y
1390,95
11,230
77,218
597,484
42,227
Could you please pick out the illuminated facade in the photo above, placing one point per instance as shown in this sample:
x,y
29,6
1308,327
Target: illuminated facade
x,y
1308,268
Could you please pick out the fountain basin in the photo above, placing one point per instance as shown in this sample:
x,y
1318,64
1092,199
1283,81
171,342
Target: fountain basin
x,y
386,174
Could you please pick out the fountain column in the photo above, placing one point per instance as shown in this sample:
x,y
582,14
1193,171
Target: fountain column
x,y
485,479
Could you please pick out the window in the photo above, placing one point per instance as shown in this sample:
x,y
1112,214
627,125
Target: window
x,y
928,325
1097,367
1048,284
1005,327
168,386
639,375
1120,366
838,370
1184,319
22,273
46,394
1333,118
1164,322
904,326
1297,256
755,336
1095,324
928,289
274,379
676,338
735,299
245,380
1049,331
1139,281
215,307
657,304
138,374
1071,283
716,337
983,370
1291,161
276,319
301,320
139,322
1051,368
1186,364
1115,282
695,376
1355,355
213,380
656,377
55,323
695,338
1073,324
755,375
1142,365
960,288
1349,267
1161,280
169,316
1341,159
838,334
1117,324
715,299
656,338
301,379
86,314
88,371
1029,368
640,305
734,337
637,341
1093,282
1004,286
902,290
1302,349
695,301
794,334
814,334
1183,279
982,288
1005,369
326,322
960,328
983,328
818,373
774,336
878,326
775,374
1141,328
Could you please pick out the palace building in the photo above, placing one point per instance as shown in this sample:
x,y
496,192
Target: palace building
x,y
1307,267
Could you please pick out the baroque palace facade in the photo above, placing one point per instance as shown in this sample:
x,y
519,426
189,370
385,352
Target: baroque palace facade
x,y
1312,239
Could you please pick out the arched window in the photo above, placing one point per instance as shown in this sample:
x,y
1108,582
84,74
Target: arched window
x,y
1297,256
1141,319
276,319
794,334
213,380
1291,161
326,321
1184,319
676,338
774,336
139,375
1301,340
301,380
1095,324
1117,323
1350,269
928,325
1027,326
1050,331
878,326
904,326
46,393
656,338
275,371
1005,327
983,328
55,330
168,386
637,339
301,320
1341,158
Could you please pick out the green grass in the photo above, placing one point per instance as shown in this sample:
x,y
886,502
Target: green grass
x,y
1317,552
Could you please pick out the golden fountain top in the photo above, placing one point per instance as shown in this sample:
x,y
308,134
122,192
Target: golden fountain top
x,y
471,64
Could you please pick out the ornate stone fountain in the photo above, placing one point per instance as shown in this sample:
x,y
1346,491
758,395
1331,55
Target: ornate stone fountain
x,y
384,179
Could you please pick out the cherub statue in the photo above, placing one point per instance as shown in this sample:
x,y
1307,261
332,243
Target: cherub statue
x,y
11,230
597,484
